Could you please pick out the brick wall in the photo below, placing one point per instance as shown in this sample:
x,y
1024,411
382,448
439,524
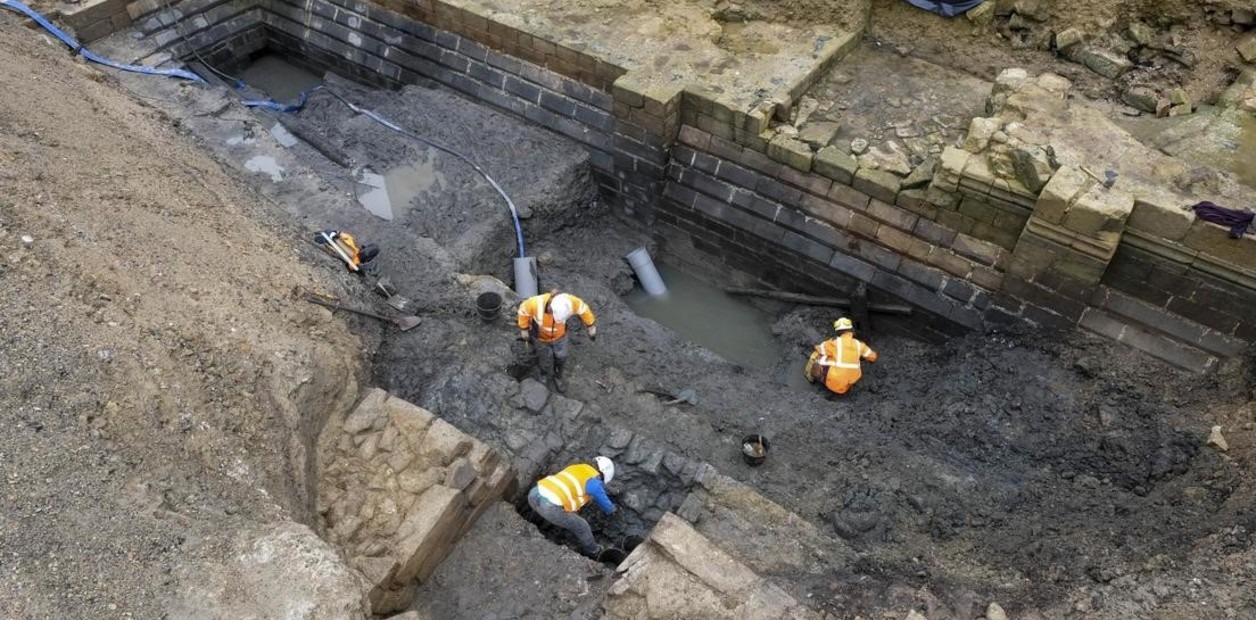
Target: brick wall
x,y
807,232
95,19
625,131
968,244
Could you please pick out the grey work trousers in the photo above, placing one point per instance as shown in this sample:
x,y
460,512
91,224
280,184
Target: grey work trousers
x,y
569,521
548,352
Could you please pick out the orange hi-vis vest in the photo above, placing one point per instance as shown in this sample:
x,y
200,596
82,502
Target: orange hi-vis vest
x,y
841,356
566,488
354,252
549,329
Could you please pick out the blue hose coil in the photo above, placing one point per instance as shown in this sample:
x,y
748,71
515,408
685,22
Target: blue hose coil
x,y
90,55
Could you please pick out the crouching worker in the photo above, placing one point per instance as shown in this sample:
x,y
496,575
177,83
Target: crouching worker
x,y
342,245
559,498
836,362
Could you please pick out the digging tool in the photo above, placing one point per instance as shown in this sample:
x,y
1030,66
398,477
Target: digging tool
x,y
686,396
340,251
385,288
404,323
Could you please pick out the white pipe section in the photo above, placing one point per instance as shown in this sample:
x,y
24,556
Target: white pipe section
x,y
651,281
525,277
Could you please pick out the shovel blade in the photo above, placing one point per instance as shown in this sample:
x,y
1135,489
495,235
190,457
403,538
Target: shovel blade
x,y
398,302
407,323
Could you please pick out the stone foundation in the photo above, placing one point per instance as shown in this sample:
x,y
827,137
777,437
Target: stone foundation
x,y
1016,225
678,573
398,487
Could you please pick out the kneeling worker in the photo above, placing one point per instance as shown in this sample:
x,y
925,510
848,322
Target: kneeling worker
x,y
342,244
543,322
558,498
836,361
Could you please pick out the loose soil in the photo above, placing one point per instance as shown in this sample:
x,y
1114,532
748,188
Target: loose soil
x,y
164,382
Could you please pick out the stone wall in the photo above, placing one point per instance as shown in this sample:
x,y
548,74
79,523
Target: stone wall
x,y
1011,226
94,19
811,229
563,90
679,573
398,487
1109,243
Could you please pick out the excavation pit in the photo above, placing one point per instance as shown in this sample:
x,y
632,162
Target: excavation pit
x,y
985,455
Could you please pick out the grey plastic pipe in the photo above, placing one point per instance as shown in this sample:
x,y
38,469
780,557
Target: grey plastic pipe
x,y
525,277
643,266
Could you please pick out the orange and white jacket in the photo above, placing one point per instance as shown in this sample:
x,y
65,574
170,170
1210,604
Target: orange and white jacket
x,y
551,325
841,356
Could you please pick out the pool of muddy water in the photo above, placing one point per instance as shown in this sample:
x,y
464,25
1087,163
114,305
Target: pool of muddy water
x,y
388,195
707,316
280,79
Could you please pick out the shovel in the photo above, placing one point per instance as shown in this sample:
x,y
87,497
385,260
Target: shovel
x,y
686,396
404,323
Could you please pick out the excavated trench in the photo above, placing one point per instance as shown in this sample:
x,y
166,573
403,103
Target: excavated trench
x,y
1060,458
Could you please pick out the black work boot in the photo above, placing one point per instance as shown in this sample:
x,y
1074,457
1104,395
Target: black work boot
x,y
560,384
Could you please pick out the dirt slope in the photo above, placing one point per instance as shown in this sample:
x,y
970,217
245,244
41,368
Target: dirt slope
x,y
157,381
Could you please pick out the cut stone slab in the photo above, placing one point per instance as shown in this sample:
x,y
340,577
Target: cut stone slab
x,y
1246,47
980,130
879,184
682,574
922,175
428,532
889,157
1107,63
835,164
791,152
1141,97
365,414
1068,39
819,134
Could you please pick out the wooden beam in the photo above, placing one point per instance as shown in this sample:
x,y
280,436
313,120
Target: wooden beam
x,y
809,300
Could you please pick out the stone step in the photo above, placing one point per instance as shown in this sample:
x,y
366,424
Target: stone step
x,y
766,537
1160,345
1169,324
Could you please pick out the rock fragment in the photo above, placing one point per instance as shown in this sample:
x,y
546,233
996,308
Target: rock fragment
x,y
1215,438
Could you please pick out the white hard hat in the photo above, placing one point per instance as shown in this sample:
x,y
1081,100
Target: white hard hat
x,y
843,324
606,466
560,307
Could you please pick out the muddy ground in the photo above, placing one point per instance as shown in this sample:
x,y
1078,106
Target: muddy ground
x,y
160,389
162,381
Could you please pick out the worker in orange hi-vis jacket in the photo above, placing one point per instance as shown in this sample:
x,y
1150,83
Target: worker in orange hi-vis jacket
x,y
837,361
543,322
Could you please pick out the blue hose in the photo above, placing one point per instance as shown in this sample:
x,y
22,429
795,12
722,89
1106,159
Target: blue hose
x,y
88,54
269,104
514,213
266,103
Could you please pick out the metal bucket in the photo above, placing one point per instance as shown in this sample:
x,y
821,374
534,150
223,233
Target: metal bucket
x,y
754,449
488,306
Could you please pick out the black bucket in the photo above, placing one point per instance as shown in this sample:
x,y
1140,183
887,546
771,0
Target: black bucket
x,y
754,449
488,305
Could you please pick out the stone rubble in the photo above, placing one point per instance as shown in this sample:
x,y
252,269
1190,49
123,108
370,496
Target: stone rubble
x,y
398,488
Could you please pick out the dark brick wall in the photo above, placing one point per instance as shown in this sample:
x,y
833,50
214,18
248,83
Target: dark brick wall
x,y
1189,293
802,235
374,45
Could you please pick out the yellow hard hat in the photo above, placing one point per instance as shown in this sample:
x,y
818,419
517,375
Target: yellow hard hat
x,y
843,324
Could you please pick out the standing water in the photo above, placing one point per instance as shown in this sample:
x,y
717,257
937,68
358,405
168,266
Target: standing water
x,y
706,315
387,195
280,79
